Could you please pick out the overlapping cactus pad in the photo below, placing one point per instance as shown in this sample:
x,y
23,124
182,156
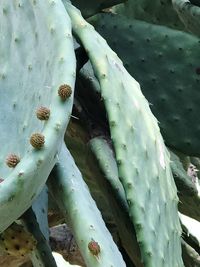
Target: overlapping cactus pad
x,y
126,167
160,56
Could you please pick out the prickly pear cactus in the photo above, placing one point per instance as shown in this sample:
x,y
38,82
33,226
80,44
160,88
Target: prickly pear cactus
x,y
111,178
131,121
94,240
35,60
163,54
156,11
17,241
91,7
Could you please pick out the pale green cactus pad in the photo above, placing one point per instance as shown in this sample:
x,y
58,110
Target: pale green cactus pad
x,y
73,198
36,58
150,191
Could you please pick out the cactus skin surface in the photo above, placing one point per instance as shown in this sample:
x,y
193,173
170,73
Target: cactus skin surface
x,y
108,165
17,241
136,139
160,12
35,83
124,209
73,198
163,54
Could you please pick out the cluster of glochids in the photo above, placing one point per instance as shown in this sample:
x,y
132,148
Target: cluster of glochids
x,y
37,140
94,248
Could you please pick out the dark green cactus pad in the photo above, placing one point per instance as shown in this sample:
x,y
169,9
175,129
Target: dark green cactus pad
x,y
28,81
158,57
150,191
155,11
189,203
189,15
91,7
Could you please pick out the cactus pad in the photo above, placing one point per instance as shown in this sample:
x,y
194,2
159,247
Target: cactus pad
x,y
155,11
159,58
17,241
150,192
34,84
91,7
73,197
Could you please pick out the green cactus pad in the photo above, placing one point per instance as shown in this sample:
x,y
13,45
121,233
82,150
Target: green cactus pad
x,y
159,58
74,199
189,14
36,58
108,165
189,203
113,211
91,7
150,191
76,139
159,12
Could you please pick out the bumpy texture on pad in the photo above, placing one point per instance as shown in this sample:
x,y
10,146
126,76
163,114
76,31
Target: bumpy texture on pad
x,y
150,191
27,81
158,57
75,201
